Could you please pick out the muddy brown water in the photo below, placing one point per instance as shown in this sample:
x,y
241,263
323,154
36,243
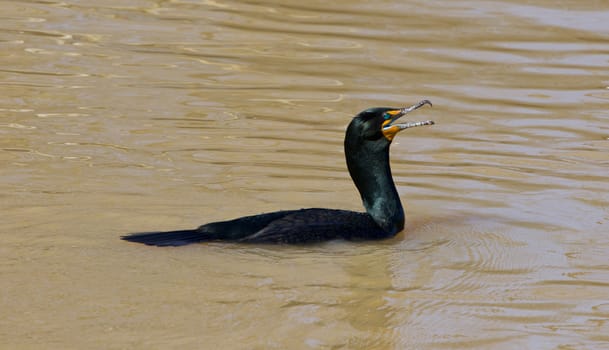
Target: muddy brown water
x,y
123,116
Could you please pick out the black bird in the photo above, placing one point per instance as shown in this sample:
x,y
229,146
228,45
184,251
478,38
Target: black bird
x,y
367,143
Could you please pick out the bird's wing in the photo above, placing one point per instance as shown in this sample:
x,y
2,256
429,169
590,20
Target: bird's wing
x,y
316,225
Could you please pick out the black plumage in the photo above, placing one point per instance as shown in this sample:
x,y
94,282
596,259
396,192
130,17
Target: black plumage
x,y
367,142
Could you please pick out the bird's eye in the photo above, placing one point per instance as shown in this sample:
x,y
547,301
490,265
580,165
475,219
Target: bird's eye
x,y
386,116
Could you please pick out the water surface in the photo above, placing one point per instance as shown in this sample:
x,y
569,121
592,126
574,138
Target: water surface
x,y
122,116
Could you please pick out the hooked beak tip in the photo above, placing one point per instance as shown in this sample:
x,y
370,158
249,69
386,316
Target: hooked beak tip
x,y
415,106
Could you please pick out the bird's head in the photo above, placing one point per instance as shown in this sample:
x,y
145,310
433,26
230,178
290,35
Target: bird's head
x,y
380,123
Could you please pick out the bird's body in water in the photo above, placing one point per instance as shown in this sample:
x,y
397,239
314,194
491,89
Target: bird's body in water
x,y
367,142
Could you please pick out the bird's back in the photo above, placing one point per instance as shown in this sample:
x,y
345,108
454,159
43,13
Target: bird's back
x,y
317,225
289,227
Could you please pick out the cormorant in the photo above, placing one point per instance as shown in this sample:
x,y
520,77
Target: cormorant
x,y
367,142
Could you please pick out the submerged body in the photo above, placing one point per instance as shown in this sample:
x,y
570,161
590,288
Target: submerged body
x,y
367,142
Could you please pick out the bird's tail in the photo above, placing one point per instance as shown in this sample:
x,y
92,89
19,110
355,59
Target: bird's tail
x,y
170,238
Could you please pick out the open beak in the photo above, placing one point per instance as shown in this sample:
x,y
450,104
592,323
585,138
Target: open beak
x,y
390,128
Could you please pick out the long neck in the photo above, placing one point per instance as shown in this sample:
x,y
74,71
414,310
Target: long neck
x,y
369,168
